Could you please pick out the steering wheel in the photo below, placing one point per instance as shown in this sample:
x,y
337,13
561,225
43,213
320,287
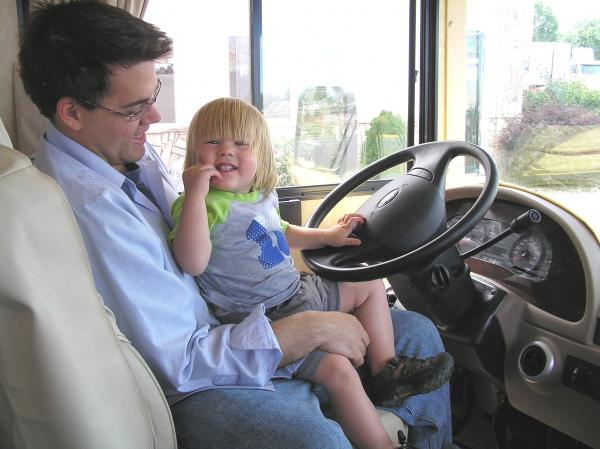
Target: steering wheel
x,y
405,222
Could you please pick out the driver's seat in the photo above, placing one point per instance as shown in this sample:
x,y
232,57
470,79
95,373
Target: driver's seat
x,y
69,379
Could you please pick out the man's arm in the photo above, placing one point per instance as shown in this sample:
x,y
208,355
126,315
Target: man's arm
x,y
160,309
335,332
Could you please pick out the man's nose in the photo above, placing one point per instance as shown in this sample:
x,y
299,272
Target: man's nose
x,y
151,115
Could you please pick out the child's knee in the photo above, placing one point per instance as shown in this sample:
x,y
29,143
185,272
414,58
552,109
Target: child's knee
x,y
337,371
355,294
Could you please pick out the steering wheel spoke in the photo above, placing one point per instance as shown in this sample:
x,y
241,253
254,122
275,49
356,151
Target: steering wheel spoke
x,y
347,256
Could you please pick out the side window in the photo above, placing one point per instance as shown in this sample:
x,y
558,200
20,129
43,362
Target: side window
x,y
532,94
211,59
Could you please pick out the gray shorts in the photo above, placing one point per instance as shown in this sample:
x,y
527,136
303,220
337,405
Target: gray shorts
x,y
315,293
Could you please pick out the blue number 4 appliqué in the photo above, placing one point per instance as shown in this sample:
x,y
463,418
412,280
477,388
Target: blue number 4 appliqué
x,y
270,255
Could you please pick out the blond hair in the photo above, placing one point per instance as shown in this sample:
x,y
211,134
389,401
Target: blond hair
x,y
235,119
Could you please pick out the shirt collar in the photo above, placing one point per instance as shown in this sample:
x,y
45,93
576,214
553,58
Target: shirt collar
x,y
83,155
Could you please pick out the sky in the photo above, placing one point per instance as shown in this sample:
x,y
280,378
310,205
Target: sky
x,y
570,12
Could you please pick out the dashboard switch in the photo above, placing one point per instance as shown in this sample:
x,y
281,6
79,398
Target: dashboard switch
x,y
439,277
582,376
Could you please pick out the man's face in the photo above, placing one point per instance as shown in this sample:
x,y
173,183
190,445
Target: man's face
x,y
111,136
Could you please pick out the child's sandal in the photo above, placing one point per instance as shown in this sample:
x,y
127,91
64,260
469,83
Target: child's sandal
x,y
403,377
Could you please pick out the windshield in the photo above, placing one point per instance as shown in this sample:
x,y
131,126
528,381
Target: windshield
x,y
513,78
527,103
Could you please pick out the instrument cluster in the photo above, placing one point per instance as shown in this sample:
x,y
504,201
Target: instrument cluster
x,y
539,263
528,254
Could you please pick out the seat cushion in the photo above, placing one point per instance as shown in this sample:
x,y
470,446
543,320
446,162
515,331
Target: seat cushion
x,y
69,378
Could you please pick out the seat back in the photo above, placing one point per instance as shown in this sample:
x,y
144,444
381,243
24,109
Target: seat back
x,y
68,377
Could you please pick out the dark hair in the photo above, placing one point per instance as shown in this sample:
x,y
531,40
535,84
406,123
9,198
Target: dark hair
x,y
69,50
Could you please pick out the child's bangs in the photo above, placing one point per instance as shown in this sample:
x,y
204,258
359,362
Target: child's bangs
x,y
232,123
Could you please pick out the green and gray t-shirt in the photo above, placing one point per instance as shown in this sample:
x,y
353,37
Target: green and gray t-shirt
x,y
250,262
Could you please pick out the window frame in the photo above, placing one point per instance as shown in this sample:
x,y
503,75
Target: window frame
x,y
423,38
428,47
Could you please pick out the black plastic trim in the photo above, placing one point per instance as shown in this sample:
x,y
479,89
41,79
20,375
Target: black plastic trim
x,y
256,65
429,68
597,332
318,192
412,72
22,14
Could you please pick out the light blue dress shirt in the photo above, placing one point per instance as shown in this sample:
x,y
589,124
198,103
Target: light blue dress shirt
x,y
157,306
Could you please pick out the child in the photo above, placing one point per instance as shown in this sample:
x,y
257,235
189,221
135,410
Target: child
x,y
228,231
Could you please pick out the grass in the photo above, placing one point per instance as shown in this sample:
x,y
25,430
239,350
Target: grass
x,y
572,160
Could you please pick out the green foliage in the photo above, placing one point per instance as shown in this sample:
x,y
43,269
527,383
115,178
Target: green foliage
x,y
386,126
587,34
545,25
559,93
535,148
285,176
561,103
283,150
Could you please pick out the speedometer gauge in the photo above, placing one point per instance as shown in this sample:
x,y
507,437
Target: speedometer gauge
x,y
531,254
528,254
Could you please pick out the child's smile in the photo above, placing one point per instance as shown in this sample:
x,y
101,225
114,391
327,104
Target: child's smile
x,y
233,159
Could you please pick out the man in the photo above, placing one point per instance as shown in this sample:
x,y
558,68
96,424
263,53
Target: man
x,y
89,68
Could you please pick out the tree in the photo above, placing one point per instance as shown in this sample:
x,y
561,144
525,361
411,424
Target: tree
x,y
386,124
545,25
587,34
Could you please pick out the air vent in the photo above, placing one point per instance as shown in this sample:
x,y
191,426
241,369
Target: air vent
x,y
536,361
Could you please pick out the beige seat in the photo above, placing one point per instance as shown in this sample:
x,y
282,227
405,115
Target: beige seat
x,y
69,378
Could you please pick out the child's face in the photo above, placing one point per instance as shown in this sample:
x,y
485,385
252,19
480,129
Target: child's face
x,y
234,160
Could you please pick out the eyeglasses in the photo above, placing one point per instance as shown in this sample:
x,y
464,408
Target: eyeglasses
x,y
133,115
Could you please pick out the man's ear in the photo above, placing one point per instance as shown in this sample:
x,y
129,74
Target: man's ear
x,y
68,112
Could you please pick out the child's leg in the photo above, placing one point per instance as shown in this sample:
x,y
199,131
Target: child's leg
x,y
368,302
394,378
350,404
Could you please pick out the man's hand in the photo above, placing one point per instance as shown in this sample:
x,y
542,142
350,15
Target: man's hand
x,y
335,332
196,179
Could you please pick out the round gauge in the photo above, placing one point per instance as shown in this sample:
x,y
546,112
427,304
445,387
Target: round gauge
x,y
531,253
474,238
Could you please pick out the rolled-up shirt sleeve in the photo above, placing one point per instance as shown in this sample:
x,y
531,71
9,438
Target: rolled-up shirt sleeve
x,y
160,309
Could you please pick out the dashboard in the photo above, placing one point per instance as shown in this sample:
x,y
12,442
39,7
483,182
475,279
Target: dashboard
x,y
528,254
545,334
540,263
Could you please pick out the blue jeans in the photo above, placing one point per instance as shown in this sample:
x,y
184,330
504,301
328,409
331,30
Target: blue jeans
x,y
290,417
428,415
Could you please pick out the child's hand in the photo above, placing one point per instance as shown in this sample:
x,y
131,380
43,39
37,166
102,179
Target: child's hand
x,y
196,179
338,234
